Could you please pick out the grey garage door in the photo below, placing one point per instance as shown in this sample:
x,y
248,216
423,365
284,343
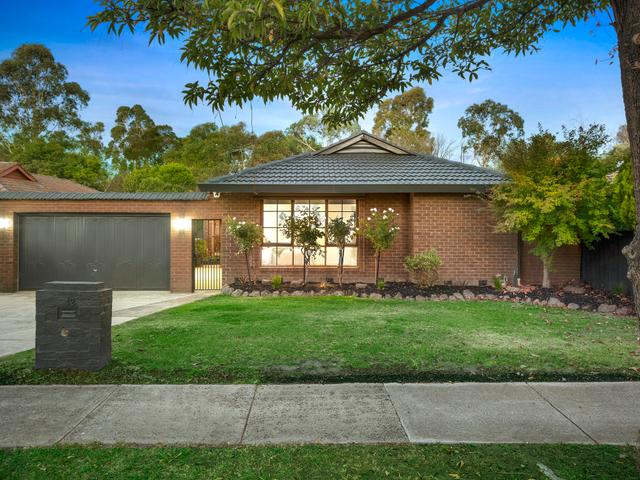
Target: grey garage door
x,y
128,252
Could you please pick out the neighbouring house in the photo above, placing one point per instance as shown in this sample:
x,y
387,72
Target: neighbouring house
x,y
177,241
15,178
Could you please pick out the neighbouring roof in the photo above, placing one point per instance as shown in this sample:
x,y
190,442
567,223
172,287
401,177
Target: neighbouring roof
x,y
143,196
362,163
15,178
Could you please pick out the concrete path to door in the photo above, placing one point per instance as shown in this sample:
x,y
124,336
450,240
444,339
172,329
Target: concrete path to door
x,y
589,413
18,313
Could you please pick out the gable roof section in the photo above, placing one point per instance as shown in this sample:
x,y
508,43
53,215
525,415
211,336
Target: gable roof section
x,y
15,178
363,142
346,167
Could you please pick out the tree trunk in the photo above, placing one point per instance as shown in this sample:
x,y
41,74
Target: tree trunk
x,y
377,266
246,258
546,283
340,265
627,25
305,268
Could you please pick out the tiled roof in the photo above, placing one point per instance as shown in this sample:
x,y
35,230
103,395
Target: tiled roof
x,y
358,172
14,178
143,196
362,163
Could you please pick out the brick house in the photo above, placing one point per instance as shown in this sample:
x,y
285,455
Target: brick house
x,y
177,241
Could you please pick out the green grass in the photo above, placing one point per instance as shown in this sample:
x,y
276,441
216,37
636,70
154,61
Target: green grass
x,y
569,462
245,340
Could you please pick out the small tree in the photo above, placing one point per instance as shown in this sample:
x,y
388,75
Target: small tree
x,y
340,233
305,229
247,236
424,267
380,229
557,193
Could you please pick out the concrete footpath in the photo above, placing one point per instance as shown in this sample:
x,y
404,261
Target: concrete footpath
x,y
342,413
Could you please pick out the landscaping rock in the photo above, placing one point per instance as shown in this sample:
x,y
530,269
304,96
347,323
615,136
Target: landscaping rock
x,y
284,293
266,282
490,296
586,307
624,311
227,290
375,296
245,294
607,308
360,286
575,289
410,299
468,294
573,306
443,296
296,283
398,296
458,296
275,294
511,289
265,293
556,302
297,293
420,298
254,293
237,293
338,293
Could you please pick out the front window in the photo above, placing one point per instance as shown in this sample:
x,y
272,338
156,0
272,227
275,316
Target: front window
x,y
278,249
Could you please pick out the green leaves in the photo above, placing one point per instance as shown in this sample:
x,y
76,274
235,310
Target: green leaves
x,y
340,58
558,193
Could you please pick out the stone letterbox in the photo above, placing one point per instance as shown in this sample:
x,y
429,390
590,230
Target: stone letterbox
x,y
73,325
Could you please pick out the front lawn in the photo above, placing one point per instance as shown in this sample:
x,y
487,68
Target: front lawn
x,y
332,339
539,462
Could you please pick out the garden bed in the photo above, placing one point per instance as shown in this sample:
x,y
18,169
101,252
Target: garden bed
x,y
573,297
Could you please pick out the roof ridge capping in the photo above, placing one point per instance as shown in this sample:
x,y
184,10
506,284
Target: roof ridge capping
x,y
364,136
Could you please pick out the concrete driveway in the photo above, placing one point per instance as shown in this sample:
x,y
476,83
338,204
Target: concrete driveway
x,y
18,311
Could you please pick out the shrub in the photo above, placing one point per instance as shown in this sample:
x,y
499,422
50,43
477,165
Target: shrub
x,y
305,228
499,282
380,284
381,229
340,233
247,235
276,281
424,267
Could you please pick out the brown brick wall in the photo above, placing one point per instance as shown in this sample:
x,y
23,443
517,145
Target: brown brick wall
x,y
462,229
181,276
565,268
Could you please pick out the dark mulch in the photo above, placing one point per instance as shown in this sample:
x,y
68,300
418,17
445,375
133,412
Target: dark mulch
x,y
589,300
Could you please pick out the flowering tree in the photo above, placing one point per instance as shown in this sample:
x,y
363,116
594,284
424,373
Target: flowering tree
x,y
305,229
381,229
247,236
340,233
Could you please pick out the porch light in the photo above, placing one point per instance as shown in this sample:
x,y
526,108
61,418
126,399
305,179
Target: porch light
x,y
181,224
5,223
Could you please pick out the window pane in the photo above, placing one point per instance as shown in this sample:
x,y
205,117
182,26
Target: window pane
x,y
270,235
285,256
284,205
317,205
351,256
268,256
297,257
270,205
318,259
348,206
282,238
270,219
332,256
282,216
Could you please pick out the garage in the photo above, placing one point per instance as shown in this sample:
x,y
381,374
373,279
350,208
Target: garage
x,y
126,251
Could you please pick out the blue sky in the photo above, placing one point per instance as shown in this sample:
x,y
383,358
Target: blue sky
x,y
561,85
